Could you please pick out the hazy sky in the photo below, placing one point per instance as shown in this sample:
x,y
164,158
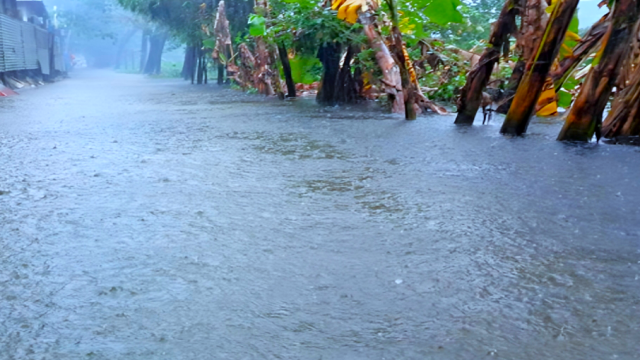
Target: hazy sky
x,y
588,12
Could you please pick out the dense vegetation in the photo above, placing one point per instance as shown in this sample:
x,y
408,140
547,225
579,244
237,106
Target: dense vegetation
x,y
412,52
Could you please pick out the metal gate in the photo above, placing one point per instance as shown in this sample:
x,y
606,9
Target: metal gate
x,y
11,44
29,46
42,43
58,58
24,46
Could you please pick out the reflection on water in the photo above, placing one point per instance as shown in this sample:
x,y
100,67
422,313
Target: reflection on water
x,y
159,220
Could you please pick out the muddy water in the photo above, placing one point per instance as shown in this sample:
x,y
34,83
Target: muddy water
x,y
150,219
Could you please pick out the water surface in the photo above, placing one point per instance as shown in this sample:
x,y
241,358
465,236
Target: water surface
x,y
151,219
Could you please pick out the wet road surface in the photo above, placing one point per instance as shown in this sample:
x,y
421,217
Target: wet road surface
x,y
151,219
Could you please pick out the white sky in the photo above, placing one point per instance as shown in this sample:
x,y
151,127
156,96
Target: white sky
x,y
588,12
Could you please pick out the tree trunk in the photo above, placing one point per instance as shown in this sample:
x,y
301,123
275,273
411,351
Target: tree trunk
x,y
345,86
537,69
188,66
408,87
244,74
144,49
286,67
329,55
262,76
200,73
585,116
154,62
194,61
533,22
624,117
161,42
120,54
220,73
274,72
223,48
391,81
152,58
478,77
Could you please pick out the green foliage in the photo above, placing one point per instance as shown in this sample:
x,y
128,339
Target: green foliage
x,y
257,25
443,12
415,17
564,99
305,69
171,69
569,41
209,43
445,80
182,18
474,27
304,25
571,83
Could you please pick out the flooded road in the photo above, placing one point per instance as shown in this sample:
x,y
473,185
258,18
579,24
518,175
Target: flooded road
x,y
151,219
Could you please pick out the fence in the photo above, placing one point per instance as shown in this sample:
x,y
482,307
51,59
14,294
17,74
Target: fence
x,y
24,46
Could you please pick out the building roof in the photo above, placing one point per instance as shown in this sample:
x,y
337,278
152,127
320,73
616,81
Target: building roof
x,y
35,7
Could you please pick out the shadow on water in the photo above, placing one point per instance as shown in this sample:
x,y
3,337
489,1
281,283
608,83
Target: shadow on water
x,y
149,219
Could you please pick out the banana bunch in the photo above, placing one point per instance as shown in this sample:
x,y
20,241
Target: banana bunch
x,y
348,9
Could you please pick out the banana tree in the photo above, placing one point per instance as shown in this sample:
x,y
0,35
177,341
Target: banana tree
x,y
553,97
537,68
585,116
584,47
391,79
624,117
223,48
394,60
304,29
478,77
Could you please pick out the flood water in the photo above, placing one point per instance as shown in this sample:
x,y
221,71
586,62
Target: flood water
x,y
152,219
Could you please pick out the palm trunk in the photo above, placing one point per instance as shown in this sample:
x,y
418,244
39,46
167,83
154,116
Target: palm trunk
x,y
471,93
286,67
585,117
537,69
